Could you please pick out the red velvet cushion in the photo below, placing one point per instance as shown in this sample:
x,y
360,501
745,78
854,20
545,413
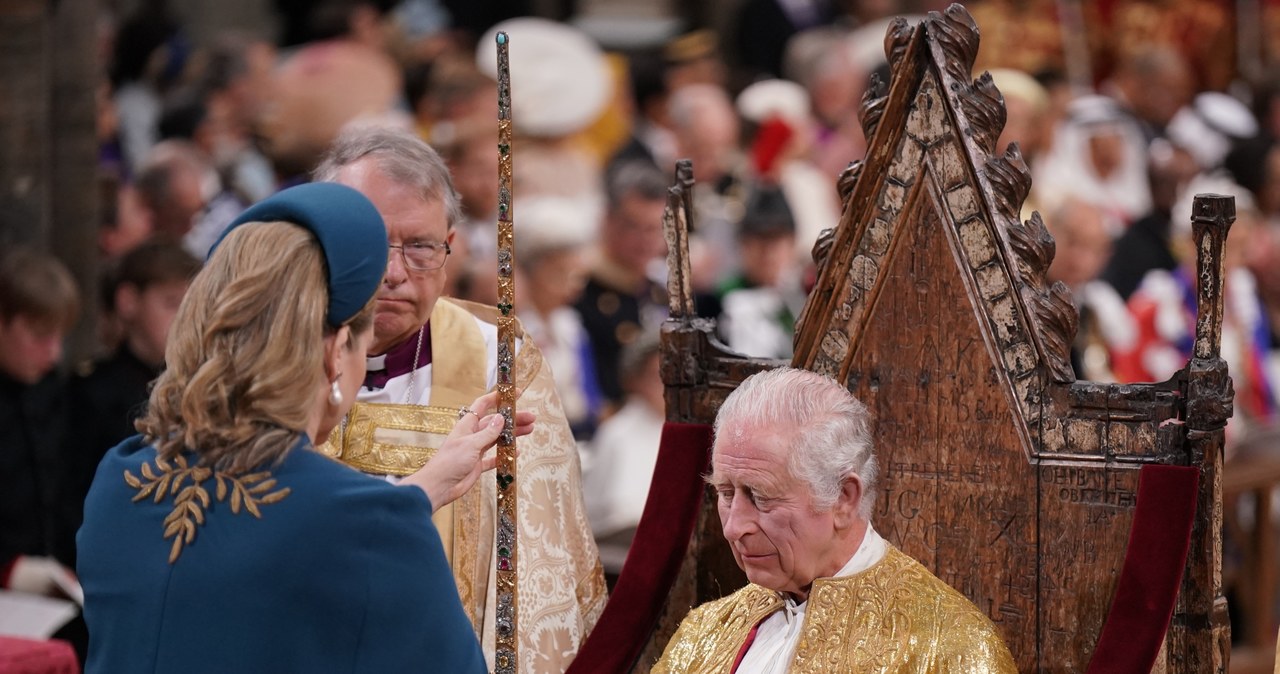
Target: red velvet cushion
x,y
24,656
1153,564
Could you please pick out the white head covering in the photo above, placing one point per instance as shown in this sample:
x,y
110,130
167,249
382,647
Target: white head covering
x,y
1068,169
1207,127
768,98
546,224
559,79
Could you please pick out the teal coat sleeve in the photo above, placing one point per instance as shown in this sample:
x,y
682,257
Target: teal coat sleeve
x,y
345,573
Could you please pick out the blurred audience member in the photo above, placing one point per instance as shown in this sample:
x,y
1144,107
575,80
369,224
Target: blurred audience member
x,y
472,268
761,303
1151,84
455,101
825,64
1059,94
553,240
651,138
1147,244
38,305
151,54
237,78
1083,246
175,186
123,222
1099,155
1026,104
108,395
318,90
1083,242
622,299
782,137
615,481
706,127
204,122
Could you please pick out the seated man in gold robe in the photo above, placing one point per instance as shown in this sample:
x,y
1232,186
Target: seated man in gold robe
x,y
795,472
430,357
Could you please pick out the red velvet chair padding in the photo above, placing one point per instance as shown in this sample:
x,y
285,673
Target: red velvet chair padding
x,y
661,540
26,656
1153,564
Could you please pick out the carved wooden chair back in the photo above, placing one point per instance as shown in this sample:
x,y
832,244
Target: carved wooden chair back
x,y
1009,479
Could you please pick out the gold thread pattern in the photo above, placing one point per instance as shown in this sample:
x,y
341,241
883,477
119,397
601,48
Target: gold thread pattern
x,y
190,502
895,617
390,439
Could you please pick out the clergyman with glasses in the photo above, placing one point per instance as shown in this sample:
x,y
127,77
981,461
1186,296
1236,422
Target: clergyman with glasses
x,y
430,357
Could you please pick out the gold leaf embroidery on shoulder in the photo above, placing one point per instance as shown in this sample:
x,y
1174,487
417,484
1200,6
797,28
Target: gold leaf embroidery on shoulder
x,y
190,502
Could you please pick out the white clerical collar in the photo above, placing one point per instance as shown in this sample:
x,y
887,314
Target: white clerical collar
x,y
872,549
375,363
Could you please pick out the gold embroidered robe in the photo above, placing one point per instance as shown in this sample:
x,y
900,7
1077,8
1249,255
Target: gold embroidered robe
x,y
895,617
562,589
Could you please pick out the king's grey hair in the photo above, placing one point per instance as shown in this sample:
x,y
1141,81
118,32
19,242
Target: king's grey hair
x,y
402,156
829,430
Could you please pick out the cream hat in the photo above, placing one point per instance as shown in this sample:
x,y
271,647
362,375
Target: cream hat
x,y
559,78
546,224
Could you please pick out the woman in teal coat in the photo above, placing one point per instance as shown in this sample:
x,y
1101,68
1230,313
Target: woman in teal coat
x,y
218,540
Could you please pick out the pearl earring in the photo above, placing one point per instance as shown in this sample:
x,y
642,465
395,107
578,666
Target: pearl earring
x,y
335,394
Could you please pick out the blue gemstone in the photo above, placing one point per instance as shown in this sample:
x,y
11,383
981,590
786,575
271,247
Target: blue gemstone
x,y
502,38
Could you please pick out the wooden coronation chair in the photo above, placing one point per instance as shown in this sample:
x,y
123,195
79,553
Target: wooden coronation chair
x,y
1083,517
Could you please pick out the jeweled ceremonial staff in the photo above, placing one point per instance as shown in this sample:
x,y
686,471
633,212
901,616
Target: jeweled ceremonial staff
x,y
505,656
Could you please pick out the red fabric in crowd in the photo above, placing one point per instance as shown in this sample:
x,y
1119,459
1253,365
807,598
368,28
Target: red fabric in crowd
x,y
1153,564
656,553
771,139
25,656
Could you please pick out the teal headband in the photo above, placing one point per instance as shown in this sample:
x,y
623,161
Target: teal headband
x,y
351,234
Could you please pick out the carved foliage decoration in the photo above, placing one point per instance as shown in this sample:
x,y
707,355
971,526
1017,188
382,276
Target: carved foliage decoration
x,y
952,124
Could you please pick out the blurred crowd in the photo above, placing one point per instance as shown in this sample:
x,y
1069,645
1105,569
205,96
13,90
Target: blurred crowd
x,y
190,134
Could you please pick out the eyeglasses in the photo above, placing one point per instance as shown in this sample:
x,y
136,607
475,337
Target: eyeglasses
x,y
423,256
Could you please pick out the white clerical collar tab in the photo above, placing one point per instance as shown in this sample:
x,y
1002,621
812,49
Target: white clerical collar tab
x,y
375,363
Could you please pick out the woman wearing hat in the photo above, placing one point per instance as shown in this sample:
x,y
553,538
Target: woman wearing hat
x,y
217,540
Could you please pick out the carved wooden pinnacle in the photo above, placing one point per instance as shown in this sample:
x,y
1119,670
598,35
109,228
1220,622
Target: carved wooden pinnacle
x,y
1211,218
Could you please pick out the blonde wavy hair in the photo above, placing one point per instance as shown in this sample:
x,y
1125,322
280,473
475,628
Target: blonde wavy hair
x,y
245,355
